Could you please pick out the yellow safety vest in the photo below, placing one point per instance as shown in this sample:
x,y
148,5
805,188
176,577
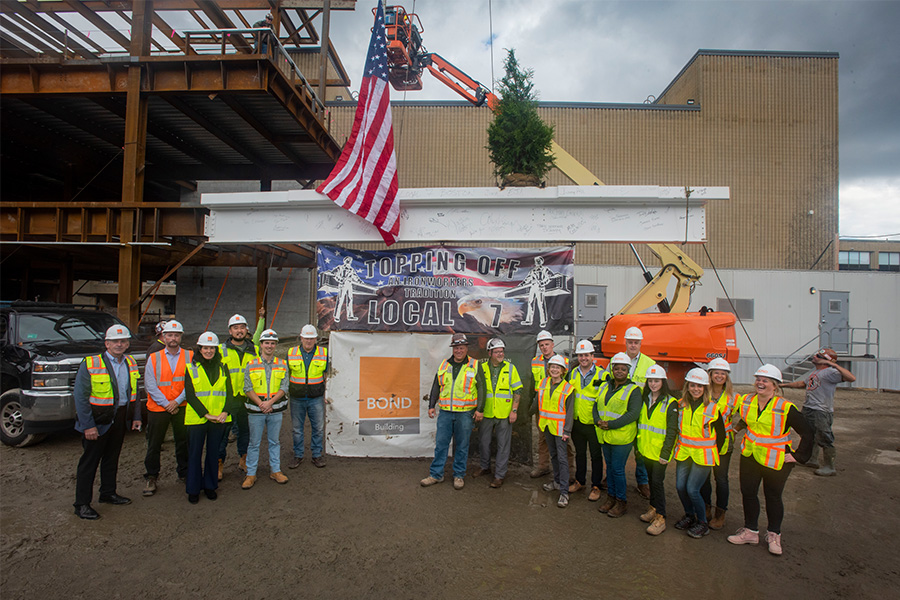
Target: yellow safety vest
x,y
552,406
317,365
211,395
696,435
585,398
236,363
766,439
613,408
651,433
266,390
726,409
102,396
458,394
498,403
639,375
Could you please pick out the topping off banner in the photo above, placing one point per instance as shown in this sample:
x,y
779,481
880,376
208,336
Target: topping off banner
x,y
446,289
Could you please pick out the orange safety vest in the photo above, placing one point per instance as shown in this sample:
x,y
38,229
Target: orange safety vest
x,y
766,439
460,394
552,406
697,437
170,384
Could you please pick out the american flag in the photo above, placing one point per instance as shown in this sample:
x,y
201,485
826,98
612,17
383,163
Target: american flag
x,y
364,181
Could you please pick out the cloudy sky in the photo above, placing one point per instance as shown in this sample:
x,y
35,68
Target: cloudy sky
x,y
598,51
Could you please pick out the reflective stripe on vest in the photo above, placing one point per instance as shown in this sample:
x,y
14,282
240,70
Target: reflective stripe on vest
x,y
102,393
639,375
585,398
236,362
766,439
458,394
171,384
613,408
697,441
211,395
267,389
726,409
317,366
651,433
498,403
552,406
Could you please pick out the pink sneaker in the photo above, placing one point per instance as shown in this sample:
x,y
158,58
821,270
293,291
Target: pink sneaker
x,y
745,536
774,541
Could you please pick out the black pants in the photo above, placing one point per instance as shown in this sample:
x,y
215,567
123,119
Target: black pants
x,y
102,452
656,477
752,473
584,437
204,474
157,425
720,474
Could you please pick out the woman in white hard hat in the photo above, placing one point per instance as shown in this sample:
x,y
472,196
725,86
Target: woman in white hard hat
x,y
656,436
722,393
207,417
555,397
700,437
767,456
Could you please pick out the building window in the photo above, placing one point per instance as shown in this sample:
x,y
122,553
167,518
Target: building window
x,y
591,300
889,261
854,260
743,307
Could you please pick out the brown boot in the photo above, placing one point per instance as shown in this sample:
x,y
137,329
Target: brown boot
x,y
648,516
243,463
249,480
610,502
278,477
718,521
221,472
657,526
709,513
644,490
618,510
594,495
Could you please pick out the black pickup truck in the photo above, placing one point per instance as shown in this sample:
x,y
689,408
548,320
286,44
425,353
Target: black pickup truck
x,y
41,346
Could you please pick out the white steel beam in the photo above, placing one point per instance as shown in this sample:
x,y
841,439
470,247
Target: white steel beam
x,y
554,214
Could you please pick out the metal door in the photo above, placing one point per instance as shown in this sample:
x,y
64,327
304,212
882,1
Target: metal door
x,y
590,310
834,320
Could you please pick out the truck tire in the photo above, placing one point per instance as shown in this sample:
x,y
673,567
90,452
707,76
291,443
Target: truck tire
x,y
12,425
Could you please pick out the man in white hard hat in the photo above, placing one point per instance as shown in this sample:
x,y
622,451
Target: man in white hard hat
x,y
499,394
105,403
237,352
634,337
586,378
308,366
546,351
164,382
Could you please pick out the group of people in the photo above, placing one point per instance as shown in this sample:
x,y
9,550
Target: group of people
x,y
204,394
582,409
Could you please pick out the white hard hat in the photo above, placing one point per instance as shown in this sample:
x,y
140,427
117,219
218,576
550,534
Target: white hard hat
x,y
620,359
544,335
697,375
584,347
268,335
770,371
159,327
173,326
208,338
718,363
237,320
309,331
558,360
495,343
118,332
655,372
633,333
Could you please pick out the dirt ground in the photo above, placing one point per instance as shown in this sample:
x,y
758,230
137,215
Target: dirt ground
x,y
364,528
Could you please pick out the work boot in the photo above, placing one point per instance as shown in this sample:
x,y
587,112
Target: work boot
x,y
278,477
430,481
813,462
774,542
658,525
648,516
249,480
221,471
744,536
718,521
243,463
496,483
610,502
644,490
619,509
576,487
827,469
295,462
149,486
481,471
539,472
595,494
458,483
318,462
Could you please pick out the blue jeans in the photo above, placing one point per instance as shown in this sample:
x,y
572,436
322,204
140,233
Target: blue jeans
x,y
315,408
272,423
458,427
689,478
616,456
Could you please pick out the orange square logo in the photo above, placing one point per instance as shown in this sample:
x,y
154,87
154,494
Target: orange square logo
x,y
388,387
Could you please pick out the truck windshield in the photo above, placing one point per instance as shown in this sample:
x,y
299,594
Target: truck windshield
x,y
59,328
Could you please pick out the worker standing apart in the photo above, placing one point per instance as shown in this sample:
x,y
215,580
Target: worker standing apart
x,y
639,363
207,416
555,402
456,394
615,416
538,373
237,352
105,396
586,378
701,435
656,437
308,365
767,456
266,387
164,382
722,393
818,409
499,393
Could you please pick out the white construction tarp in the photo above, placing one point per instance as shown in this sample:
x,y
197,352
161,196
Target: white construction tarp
x,y
374,402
